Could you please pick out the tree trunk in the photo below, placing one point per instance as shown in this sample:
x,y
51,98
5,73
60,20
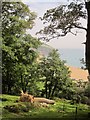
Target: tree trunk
x,y
55,86
25,84
87,54
22,85
50,88
8,82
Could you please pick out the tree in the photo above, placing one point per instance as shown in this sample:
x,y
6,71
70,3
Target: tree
x,y
88,37
17,48
26,60
16,18
55,75
65,19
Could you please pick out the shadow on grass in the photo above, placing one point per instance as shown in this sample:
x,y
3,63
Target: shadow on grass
x,y
52,116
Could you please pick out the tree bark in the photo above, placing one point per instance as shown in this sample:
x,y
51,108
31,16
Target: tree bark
x,y
22,85
87,54
8,81
55,86
50,88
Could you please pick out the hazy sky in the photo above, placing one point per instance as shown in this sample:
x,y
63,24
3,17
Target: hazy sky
x,y
43,1
70,41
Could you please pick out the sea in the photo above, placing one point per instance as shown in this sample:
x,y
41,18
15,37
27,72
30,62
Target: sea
x,y
72,56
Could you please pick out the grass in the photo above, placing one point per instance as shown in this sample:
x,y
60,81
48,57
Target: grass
x,y
61,110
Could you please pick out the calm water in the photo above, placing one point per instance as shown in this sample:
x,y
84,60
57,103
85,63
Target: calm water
x,y
72,56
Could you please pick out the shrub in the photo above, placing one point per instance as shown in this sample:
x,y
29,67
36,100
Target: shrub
x,y
87,90
76,99
84,99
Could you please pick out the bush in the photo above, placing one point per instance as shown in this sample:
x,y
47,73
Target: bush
x,y
76,99
87,90
84,100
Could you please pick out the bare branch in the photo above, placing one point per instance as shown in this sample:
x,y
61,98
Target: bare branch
x,y
80,27
73,33
52,37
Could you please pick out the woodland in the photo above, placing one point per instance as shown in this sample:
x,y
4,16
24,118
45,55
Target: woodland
x,y
48,77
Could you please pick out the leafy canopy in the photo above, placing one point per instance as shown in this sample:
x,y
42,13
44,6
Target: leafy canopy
x,y
18,52
62,19
55,75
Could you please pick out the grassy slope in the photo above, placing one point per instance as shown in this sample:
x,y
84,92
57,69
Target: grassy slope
x,y
53,111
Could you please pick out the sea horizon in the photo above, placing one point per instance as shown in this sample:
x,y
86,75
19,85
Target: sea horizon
x,y
72,56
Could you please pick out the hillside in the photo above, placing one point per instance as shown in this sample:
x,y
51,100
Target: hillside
x,y
76,72
45,49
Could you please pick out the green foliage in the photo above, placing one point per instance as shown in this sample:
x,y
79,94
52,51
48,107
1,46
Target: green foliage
x,y
35,111
20,69
18,49
62,19
16,18
23,67
81,93
87,90
56,76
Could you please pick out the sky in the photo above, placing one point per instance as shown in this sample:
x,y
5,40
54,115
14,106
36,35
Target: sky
x,y
69,41
43,1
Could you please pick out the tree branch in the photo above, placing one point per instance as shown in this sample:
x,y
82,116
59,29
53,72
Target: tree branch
x,y
48,39
80,27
